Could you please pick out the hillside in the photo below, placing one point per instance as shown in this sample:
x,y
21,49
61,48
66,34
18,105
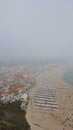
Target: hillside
x,y
12,118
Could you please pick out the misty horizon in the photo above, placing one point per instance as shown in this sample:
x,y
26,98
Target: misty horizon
x,y
36,29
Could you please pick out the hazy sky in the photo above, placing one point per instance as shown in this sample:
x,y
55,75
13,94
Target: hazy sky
x,y
36,28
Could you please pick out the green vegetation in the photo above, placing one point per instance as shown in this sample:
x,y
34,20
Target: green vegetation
x,y
12,117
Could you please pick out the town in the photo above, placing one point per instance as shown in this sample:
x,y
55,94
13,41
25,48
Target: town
x,y
15,83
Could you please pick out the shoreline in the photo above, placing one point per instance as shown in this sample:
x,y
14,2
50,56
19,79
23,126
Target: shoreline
x,y
67,76
42,119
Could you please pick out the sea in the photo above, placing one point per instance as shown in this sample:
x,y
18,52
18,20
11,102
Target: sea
x,y
68,76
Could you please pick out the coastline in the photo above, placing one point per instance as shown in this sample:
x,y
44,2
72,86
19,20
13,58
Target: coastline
x,y
67,76
43,120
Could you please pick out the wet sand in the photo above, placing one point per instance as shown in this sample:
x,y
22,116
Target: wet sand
x,y
61,119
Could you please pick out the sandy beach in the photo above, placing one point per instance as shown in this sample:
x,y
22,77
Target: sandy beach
x,y
60,119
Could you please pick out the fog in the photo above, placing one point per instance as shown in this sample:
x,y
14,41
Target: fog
x,y
36,29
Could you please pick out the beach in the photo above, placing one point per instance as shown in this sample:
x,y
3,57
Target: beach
x,y
60,119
